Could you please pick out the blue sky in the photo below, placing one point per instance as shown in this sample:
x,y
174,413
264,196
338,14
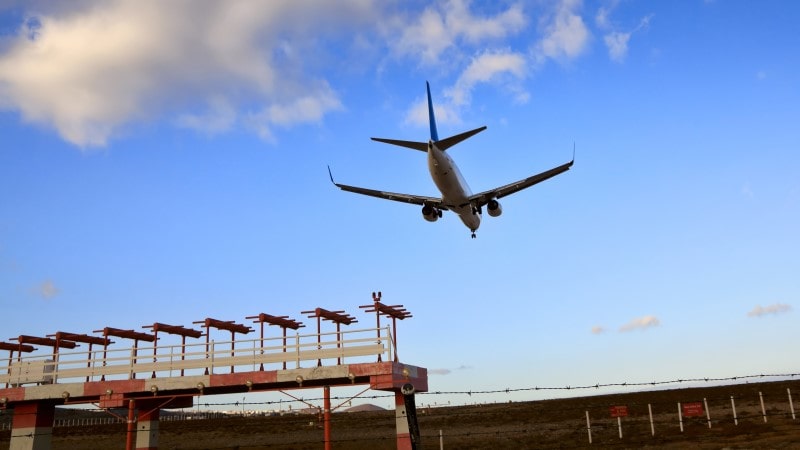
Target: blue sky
x,y
167,162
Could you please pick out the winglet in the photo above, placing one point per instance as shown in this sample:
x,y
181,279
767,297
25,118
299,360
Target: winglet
x,y
331,175
573,151
431,117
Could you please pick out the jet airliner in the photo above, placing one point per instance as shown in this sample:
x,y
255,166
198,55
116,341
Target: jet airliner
x,y
456,195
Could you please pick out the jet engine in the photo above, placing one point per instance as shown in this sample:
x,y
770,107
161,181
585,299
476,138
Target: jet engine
x,y
430,213
494,208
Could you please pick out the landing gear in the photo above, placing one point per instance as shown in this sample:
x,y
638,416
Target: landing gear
x,y
473,234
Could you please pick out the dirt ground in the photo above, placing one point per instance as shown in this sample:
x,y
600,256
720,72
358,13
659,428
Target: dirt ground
x,y
524,425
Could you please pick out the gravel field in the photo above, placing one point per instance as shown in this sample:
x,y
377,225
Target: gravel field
x,y
559,423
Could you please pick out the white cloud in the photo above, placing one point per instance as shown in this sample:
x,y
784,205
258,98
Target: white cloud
x,y
776,308
565,34
90,71
427,38
306,108
603,17
640,323
441,28
617,42
444,112
484,68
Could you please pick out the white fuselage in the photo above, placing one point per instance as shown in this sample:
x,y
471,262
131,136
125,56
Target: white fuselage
x,y
454,189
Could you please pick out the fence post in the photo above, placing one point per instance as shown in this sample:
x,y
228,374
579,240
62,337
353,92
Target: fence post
x,y
763,411
733,407
589,427
619,425
791,405
680,416
650,412
708,413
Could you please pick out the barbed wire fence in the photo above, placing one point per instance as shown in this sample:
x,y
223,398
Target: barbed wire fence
x,y
570,423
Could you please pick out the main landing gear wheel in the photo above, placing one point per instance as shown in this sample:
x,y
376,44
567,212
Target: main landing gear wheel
x,y
473,235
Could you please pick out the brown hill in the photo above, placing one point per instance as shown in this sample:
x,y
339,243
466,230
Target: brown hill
x,y
364,408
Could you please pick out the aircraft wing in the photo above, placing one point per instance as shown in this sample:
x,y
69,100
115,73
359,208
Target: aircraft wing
x,y
405,198
484,197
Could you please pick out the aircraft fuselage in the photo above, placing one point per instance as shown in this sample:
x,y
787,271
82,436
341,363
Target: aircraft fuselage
x,y
453,186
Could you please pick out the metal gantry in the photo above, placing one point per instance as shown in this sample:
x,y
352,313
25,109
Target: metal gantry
x,y
35,384
18,347
393,311
223,325
136,336
83,338
337,317
172,329
282,321
47,342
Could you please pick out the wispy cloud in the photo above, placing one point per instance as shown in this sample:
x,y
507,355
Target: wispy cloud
x,y
484,68
448,371
603,17
447,24
46,289
640,323
598,329
457,39
617,41
564,36
775,309
220,117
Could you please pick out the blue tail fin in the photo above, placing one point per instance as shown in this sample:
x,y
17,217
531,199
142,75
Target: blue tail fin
x,y
431,117
442,145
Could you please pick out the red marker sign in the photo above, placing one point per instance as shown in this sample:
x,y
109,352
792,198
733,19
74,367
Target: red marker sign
x,y
619,411
693,409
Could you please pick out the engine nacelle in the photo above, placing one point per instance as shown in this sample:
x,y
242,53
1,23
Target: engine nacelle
x,y
430,213
494,208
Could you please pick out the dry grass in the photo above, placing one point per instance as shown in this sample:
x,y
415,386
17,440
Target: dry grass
x,y
542,424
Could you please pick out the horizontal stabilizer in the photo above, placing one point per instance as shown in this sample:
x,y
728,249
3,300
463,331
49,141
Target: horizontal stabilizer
x,y
446,143
421,146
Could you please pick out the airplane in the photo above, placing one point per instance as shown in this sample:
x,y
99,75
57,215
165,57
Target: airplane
x,y
456,195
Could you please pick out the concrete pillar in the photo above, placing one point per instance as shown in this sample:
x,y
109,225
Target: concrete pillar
x,y
147,425
401,423
32,426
